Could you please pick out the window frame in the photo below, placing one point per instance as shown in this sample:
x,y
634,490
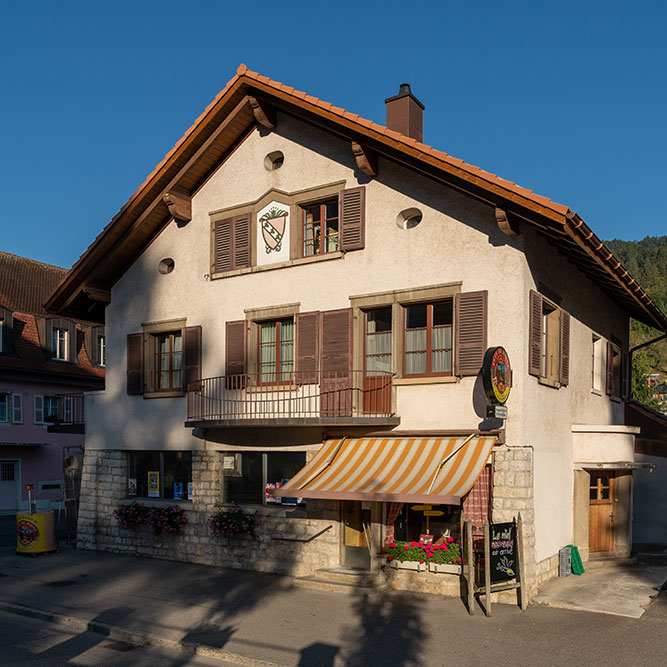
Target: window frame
x,y
429,339
157,354
277,343
149,331
56,341
161,467
322,238
550,336
615,349
101,347
366,333
5,398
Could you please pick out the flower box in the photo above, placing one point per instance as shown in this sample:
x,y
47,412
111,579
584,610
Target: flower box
x,y
407,565
449,568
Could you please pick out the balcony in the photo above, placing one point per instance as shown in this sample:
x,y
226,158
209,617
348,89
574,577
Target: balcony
x,y
307,398
64,413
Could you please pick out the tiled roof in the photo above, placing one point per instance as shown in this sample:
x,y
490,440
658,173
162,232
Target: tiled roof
x,y
26,284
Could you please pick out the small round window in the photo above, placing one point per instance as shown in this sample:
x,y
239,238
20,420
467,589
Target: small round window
x,y
166,265
409,218
274,161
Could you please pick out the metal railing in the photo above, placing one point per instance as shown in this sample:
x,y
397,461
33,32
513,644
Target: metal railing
x,y
291,395
64,409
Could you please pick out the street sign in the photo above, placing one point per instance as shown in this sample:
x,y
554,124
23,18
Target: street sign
x,y
496,411
433,513
421,508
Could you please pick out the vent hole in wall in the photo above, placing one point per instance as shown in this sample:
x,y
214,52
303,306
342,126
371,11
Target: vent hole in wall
x,y
166,265
274,161
409,218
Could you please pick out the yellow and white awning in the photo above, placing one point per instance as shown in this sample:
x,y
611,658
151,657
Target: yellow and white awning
x,y
434,470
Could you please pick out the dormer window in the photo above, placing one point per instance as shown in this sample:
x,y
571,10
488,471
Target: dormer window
x,y
60,340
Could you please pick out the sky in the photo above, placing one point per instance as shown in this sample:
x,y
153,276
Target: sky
x,y
568,99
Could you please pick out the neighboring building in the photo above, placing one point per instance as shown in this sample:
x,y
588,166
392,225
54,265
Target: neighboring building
x,y
296,286
45,366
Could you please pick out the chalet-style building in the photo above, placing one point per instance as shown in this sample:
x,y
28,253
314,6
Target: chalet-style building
x,y
46,363
296,293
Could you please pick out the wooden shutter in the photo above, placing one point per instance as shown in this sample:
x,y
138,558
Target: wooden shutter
x,y
564,366
626,376
135,364
470,324
38,403
352,218
191,355
7,317
72,352
231,243
610,369
535,334
336,363
242,241
17,409
307,347
235,348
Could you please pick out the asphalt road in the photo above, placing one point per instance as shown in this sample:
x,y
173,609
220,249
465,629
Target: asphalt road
x,y
27,642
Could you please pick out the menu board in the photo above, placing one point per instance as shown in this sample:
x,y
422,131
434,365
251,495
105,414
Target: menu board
x,y
503,556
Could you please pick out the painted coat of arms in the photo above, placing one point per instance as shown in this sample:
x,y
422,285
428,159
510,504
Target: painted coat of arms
x,y
273,229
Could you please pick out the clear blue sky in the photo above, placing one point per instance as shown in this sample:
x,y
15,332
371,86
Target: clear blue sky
x,y
566,98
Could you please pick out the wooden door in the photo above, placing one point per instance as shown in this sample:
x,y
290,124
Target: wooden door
x,y
8,485
601,513
354,530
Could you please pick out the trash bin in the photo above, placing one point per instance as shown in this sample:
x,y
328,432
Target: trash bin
x,y
35,533
565,562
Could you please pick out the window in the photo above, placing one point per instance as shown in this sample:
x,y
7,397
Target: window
x,y
428,339
56,409
11,408
4,408
166,475
168,361
411,523
320,228
59,342
259,471
597,370
377,342
549,341
276,350
101,351
614,370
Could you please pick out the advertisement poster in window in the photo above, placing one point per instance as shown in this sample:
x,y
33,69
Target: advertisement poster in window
x,y
132,486
153,483
178,490
270,498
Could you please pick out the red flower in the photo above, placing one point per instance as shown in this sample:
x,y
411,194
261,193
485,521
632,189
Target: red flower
x,y
450,539
391,544
459,560
406,547
389,558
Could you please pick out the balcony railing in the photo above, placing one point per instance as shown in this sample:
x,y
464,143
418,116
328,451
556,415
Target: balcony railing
x,y
305,397
64,409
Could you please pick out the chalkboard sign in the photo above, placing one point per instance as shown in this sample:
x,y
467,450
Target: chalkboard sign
x,y
503,552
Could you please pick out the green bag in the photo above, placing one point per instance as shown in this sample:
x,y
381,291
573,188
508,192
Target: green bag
x,y
577,565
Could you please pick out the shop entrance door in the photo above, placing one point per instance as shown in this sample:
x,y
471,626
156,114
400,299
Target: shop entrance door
x,y
601,513
355,552
8,485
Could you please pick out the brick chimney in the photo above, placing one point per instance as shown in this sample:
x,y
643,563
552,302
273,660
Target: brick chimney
x,y
405,113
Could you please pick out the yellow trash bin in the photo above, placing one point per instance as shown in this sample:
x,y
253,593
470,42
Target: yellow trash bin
x,y
35,533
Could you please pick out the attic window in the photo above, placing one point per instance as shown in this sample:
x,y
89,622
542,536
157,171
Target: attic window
x,y
166,265
274,161
409,218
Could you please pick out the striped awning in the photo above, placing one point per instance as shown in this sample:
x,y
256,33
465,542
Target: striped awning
x,y
434,470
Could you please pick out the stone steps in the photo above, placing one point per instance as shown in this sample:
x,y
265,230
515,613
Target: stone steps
x,y
340,580
652,559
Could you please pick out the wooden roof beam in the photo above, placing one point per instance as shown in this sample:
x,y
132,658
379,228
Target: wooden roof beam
x,y
179,205
97,294
265,115
507,227
367,160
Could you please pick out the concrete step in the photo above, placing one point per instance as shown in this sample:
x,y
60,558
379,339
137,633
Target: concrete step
x,y
652,559
339,580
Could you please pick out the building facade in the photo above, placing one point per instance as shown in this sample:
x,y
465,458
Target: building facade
x,y
297,296
46,364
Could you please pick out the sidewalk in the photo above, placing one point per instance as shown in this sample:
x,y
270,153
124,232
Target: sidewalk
x,y
255,619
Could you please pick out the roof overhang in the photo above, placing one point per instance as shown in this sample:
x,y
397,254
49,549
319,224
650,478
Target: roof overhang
x,y
250,100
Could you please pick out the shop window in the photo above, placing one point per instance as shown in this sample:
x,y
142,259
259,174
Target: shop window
x,y
249,480
168,351
166,475
377,342
59,341
428,339
410,523
320,228
275,351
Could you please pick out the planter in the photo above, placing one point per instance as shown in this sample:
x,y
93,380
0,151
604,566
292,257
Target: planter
x,y
448,568
408,565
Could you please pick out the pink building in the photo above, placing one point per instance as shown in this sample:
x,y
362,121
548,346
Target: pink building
x,y
46,363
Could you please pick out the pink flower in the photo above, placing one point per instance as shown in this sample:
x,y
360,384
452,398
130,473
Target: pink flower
x,y
421,561
389,558
459,560
384,548
391,544
450,539
414,544
406,547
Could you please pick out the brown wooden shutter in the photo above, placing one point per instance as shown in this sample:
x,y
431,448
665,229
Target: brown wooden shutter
x,y
352,218
610,369
235,348
7,317
41,332
47,344
307,347
470,323
336,362
135,364
72,353
241,241
626,375
564,366
191,355
222,245
535,334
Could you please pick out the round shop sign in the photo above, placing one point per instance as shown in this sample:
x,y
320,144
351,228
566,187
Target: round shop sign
x,y
497,375
27,533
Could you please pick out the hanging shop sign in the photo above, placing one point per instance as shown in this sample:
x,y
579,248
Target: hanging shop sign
x,y
502,552
497,375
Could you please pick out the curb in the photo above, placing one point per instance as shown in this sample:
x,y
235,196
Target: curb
x,y
135,636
